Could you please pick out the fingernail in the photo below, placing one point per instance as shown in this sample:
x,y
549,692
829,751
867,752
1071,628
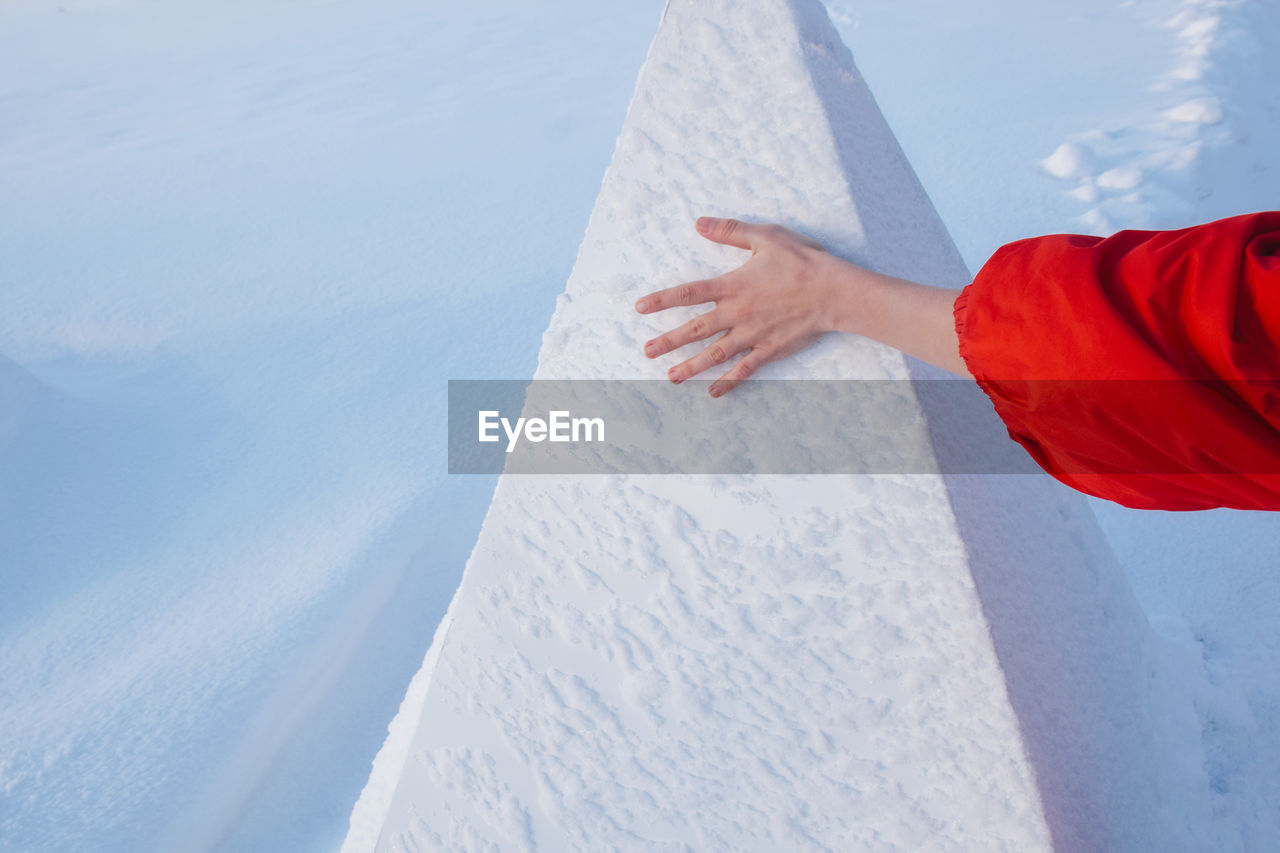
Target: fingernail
x,y
704,224
674,375
716,392
651,349
642,306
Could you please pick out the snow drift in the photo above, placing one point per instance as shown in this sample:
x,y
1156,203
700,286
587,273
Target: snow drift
x,y
851,662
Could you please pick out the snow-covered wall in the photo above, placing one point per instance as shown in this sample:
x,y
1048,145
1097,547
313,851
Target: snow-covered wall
x,y
778,663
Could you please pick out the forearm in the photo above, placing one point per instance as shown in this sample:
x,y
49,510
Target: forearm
x,y
916,319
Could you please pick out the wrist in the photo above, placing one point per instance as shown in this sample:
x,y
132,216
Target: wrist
x,y
852,296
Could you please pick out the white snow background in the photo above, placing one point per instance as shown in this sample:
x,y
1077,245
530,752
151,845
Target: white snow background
x,y
242,247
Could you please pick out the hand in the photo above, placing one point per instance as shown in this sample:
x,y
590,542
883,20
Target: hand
x,y
776,304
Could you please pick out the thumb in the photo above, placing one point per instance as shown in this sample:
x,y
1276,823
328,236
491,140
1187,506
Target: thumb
x,y
730,232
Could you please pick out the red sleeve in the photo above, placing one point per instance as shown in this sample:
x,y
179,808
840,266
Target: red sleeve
x,y
1142,368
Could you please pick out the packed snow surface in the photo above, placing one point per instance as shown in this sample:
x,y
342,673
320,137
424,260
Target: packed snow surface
x,y
245,244
832,663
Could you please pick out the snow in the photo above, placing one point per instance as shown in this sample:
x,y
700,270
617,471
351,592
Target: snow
x,y
1069,161
1111,73
1199,111
240,251
230,233
718,663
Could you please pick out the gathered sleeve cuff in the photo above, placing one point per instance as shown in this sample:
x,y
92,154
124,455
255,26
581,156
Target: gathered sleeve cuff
x,y
1143,368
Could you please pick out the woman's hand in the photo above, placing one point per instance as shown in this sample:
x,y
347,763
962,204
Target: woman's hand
x,y
787,295
776,304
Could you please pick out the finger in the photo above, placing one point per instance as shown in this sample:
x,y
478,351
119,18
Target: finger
x,y
739,373
731,232
689,293
717,353
697,329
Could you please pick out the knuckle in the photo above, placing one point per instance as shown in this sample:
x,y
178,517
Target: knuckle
x,y
729,227
716,353
684,294
698,328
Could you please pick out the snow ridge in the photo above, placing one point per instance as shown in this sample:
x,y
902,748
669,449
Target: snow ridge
x,y
800,663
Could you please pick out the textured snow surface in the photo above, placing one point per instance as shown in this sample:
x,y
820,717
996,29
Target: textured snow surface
x,y
243,244
778,663
241,251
